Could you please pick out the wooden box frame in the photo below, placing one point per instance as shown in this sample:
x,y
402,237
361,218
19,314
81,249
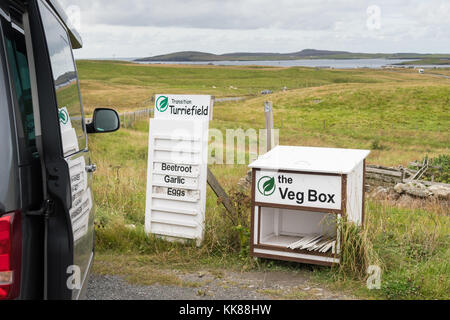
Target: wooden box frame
x,y
298,255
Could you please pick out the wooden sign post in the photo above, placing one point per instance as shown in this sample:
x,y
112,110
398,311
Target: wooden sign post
x,y
268,112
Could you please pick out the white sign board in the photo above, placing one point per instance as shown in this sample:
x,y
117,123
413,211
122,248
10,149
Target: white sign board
x,y
177,167
183,107
297,189
68,133
81,194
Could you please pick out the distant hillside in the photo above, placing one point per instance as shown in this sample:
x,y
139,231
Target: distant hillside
x,y
195,56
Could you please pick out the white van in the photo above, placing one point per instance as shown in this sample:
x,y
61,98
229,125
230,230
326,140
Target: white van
x,y
46,204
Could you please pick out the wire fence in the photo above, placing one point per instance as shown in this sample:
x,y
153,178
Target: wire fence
x,y
128,119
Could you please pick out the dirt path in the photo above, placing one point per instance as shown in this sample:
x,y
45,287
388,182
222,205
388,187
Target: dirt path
x,y
215,286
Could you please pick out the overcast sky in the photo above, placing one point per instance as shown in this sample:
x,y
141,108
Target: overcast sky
x,y
139,28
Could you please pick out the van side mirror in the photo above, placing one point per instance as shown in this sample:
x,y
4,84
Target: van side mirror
x,y
104,120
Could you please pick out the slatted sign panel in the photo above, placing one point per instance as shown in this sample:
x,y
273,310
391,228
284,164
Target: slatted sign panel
x,y
176,178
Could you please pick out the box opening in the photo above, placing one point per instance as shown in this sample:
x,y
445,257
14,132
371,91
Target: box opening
x,y
314,232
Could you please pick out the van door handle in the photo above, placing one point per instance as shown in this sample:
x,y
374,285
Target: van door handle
x,y
91,168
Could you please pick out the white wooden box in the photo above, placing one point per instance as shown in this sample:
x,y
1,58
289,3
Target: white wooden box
x,y
298,196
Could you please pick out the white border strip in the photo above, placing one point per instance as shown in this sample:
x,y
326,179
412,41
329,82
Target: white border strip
x,y
296,255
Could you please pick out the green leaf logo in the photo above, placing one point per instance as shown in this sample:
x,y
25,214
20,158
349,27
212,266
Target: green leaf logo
x,y
266,185
162,103
63,116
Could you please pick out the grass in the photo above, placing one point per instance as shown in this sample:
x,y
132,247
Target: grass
x,y
405,120
412,248
126,86
427,61
401,115
404,116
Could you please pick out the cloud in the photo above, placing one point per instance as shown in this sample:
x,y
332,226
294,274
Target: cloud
x,y
141,27
213,14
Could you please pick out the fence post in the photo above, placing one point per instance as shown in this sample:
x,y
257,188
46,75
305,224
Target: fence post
x,y
268,113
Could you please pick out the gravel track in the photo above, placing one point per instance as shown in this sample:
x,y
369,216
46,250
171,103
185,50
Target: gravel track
x,y
230,286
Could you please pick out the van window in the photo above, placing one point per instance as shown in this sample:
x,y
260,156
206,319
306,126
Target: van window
x,y
66,83
18,64
8,176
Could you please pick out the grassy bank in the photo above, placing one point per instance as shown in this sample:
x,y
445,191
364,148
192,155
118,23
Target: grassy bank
x,y
127,85
400,115
427,61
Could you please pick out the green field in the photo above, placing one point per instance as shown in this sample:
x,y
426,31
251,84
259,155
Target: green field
x,y
427,61
400,115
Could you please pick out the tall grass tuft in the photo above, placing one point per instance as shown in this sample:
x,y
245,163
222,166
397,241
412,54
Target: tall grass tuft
x,y
357,252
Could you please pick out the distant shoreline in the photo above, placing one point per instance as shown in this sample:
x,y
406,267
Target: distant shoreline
x,y
311,63
348,63
306,54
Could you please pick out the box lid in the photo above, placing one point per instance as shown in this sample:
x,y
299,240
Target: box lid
x,y
309,159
